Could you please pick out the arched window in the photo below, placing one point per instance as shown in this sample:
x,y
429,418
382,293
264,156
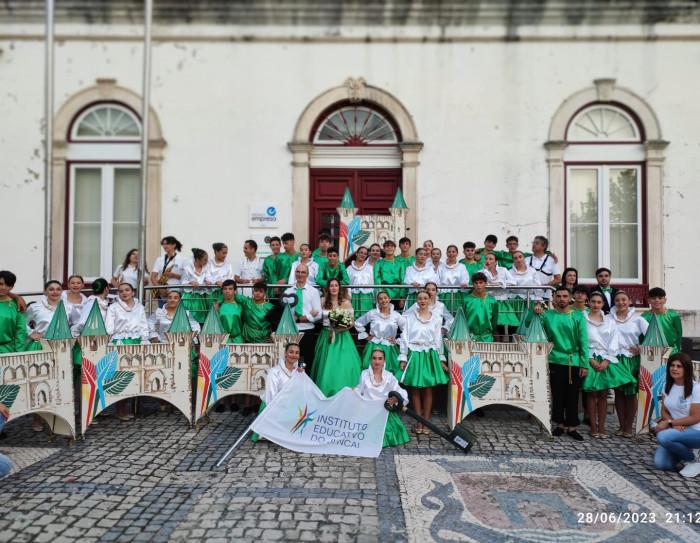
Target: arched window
x,y
104,188
604,187
355,126
600,123
106,122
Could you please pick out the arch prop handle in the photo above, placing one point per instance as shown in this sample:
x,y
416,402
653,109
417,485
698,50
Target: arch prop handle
x,y
460,437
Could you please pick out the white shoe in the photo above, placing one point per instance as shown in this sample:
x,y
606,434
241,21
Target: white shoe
x,y
691,469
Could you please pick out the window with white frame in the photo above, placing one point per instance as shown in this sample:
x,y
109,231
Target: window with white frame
x,y
104,188
605,220
604,193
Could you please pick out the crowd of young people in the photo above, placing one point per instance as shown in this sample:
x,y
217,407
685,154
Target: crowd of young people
x,y
402,305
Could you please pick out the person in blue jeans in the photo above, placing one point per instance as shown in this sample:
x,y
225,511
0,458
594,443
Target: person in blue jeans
x,y
5,463
678,429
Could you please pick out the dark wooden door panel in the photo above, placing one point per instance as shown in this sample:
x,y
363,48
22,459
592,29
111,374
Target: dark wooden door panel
x,y
372,191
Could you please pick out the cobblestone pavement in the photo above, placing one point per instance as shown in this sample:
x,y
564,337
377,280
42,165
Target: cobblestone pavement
x,y
153,479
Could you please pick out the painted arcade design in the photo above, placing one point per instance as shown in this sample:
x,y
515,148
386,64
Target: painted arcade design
x,y
517,374
41,382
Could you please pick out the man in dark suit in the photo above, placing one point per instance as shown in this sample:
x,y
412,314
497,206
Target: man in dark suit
x,y
603,276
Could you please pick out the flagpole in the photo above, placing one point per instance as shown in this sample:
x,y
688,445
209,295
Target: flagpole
x,y
148,17
233,447
48,135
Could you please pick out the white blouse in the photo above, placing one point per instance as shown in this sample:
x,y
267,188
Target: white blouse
x,y
73,310
384,329
77,328
361,276
420,275
602,338
277,377
439,309
372,390
629,329
312,266
189,274
218,272
453,275
421,335
124,322
176,265
159,322
129,275
527,277
40,314
500,279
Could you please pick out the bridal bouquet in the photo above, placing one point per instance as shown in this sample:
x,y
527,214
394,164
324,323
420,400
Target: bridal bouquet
x,y
340,319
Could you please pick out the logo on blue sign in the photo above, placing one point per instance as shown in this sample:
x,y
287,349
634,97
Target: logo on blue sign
x,y
271,211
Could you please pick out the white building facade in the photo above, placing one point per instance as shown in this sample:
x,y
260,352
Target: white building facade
x,y
572,122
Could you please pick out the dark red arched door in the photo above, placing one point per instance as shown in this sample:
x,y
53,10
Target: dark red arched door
x,y
372,190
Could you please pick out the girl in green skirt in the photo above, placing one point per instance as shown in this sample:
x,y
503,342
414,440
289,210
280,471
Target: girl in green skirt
x,y
375,384
418,275
521,300
383,325
361,273
453,273
336,362
498,276
421,357
631,328
195,274
606,371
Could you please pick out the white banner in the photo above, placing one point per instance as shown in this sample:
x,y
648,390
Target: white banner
x,y
302,419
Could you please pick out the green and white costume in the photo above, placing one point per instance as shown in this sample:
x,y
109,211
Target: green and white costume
x,y
38,317
13,327
231,316
390,272
630,332
256,327
420,276
384,330
283,265
482,316
454,275
336,362
368,387
362,298
670,323
603,344
126,323
327,272
501,278
421,348
195,301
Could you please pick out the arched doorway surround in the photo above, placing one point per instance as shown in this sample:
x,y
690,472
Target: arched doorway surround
x,y
559,153
353,91
107,91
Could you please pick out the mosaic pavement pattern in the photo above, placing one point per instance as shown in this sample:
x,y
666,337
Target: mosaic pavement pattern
x,y
499,499
153,479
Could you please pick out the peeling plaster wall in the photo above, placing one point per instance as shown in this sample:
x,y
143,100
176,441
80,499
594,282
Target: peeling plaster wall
x,y
481,109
